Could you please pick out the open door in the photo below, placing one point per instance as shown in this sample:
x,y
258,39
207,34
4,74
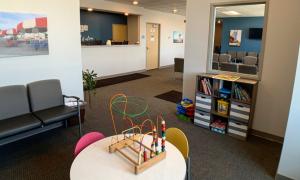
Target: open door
x,y
153,40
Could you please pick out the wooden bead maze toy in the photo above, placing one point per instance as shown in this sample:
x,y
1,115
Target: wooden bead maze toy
x,y
132,137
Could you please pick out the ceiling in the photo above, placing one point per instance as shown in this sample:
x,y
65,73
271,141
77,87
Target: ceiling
x,y
243,10
159,5
169,5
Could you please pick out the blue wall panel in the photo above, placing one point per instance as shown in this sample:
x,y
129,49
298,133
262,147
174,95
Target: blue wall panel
x,y
242,23
100,24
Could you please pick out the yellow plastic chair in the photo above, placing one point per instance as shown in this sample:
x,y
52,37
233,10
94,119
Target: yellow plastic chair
x,y
176,137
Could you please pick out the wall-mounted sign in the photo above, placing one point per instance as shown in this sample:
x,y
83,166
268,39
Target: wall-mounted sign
x,y
84,28
23,34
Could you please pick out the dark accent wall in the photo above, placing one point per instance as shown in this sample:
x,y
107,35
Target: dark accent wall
x,y
242,23
100,24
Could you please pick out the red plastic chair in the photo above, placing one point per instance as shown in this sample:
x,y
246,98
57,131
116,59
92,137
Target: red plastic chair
x,y
86,140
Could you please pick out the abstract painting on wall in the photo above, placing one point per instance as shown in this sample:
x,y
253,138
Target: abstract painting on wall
x,y
177,37
23,34
235,38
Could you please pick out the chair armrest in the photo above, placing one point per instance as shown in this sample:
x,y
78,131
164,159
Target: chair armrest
x,y
72,97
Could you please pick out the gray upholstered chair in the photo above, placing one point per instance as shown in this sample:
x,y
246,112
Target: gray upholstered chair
x,y
47,102
240,55
225,58
254,54
250,60
215,65
232,54
178,65
247,69
216,57
15,116
232,67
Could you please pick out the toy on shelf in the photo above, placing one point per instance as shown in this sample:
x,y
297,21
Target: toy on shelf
x,y
223,106
132,111
185,110
218,126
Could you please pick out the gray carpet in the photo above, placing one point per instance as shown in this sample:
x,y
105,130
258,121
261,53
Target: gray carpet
x,y
213,156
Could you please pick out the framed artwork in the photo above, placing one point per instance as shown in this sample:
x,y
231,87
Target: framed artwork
x,y
23,34
177,37
235,38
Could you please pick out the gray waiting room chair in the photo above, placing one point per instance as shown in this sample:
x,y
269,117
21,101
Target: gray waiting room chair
x,y
15,115
232,67
232,54
254,54
47,102
178,65
240,55
216,57
215,63
247,69
250,60
225,58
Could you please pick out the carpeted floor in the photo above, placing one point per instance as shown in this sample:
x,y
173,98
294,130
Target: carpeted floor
x,y
213,156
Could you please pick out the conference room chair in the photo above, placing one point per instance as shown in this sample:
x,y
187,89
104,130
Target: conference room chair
x,y
176,137
225,58
250,60
87,140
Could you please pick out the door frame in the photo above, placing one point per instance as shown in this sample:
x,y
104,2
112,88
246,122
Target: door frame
x,y
159,34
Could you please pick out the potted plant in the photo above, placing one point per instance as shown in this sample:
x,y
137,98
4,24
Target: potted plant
x,y
89,82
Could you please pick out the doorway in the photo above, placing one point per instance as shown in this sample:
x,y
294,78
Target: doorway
x,y
152,45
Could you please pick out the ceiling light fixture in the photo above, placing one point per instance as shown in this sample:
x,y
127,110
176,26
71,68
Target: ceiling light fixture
x,y
90,9
135,2
175,11
231,13
126,14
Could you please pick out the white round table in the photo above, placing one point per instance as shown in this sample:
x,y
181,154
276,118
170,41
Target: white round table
x,y
96,163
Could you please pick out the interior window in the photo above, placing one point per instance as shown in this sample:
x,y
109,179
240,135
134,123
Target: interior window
x,y
108,28
237,38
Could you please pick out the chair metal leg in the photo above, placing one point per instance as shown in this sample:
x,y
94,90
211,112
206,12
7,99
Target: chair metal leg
x,y
188,168
79,119
66,123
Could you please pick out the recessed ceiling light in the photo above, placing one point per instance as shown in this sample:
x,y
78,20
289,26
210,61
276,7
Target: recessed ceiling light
x,y
175,11
231,13
90,9
126,14
135,2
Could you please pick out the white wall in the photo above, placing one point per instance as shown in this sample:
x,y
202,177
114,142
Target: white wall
x,y
64,59
275,87
122,59
289,164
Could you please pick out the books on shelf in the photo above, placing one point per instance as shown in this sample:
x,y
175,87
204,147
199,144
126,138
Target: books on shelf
x,y
206,86
241,94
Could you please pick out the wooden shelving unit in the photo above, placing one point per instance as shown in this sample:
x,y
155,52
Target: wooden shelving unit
x,y
240,98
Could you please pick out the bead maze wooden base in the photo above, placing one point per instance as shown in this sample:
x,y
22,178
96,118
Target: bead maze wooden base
x,y
139,164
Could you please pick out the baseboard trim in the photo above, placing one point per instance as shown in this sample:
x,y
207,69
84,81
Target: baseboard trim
x,y
282,177
121,74
266,136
